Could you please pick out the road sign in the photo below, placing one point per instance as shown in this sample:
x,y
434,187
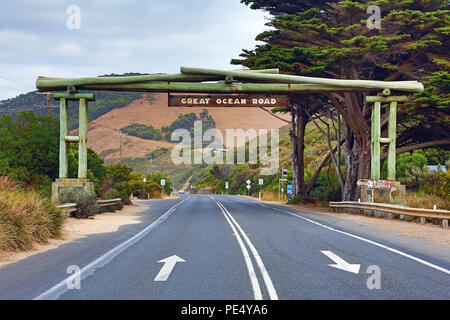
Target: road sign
x,y
284,173
163,182
261,182
229,101
145,180
289,192
248,182
248,187
226,185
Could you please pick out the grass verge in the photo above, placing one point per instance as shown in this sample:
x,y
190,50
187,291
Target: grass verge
x,y
26,218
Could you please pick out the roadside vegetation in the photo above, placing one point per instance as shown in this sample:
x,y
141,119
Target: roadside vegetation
x,y
26,217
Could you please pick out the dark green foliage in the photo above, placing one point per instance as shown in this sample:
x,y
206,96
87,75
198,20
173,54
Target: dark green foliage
x,y
186,121
404,161
29,149
111,194
117,177
96,169
86,202
330,39
143,131
298,199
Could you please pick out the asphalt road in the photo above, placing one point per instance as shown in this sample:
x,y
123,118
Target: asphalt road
x,y
226,247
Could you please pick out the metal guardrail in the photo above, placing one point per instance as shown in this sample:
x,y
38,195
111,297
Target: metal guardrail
x,y
68,208
109,202
440,214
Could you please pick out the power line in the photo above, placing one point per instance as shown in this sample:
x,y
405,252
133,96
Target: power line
x,y
100,125
11,88
16,82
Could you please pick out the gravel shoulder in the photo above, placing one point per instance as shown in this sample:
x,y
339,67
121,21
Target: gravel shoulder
x,y
428,231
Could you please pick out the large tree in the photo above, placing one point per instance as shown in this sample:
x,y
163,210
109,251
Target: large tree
x,y
331,39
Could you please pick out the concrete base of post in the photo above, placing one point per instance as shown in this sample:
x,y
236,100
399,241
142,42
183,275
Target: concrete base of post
x,y
61,184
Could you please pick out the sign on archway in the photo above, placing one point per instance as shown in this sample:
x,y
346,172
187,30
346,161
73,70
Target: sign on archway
x,y
272,101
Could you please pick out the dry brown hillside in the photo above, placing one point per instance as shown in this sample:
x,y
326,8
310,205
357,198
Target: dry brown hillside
x,y
158,114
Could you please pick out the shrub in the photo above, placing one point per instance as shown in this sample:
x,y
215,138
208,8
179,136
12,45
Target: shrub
x,y
427,201
86,202
440,187
111,194
298,199
26,217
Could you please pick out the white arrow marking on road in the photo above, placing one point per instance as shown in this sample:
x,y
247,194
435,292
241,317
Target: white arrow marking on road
x,y
166,270
341,263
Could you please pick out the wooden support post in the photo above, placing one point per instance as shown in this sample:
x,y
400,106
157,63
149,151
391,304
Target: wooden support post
x,y
392,141
376,133
83,132
63,130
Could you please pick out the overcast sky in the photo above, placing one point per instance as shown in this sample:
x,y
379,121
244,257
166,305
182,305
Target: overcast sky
x,y
118,36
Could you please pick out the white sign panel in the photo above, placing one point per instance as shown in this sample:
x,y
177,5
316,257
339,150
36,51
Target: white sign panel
x,y
248,182
248,187
163,182
226,185
261,182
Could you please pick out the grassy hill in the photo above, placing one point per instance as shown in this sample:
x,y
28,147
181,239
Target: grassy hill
x,y
37,103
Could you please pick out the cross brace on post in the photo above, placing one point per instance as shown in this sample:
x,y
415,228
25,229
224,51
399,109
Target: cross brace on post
x,y
377,140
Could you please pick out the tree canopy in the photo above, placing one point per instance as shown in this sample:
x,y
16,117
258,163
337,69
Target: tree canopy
x,y
331,39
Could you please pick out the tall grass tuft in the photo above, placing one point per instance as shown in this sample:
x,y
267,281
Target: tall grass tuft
x,y
26,218
426,201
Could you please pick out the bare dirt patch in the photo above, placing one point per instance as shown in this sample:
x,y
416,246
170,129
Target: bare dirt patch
x,y
80,228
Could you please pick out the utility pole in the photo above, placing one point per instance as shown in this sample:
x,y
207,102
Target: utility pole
x,y
48,103
150,158
121,143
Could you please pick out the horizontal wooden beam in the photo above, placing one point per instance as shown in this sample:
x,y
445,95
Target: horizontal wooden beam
x,y
409,86
196,87
73,96
72,139
370,99
53,84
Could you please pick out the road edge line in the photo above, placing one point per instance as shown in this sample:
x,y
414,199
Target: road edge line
x,y
404,254
60,288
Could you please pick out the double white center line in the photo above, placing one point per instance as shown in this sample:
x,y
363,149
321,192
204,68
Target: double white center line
x,y
251,271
